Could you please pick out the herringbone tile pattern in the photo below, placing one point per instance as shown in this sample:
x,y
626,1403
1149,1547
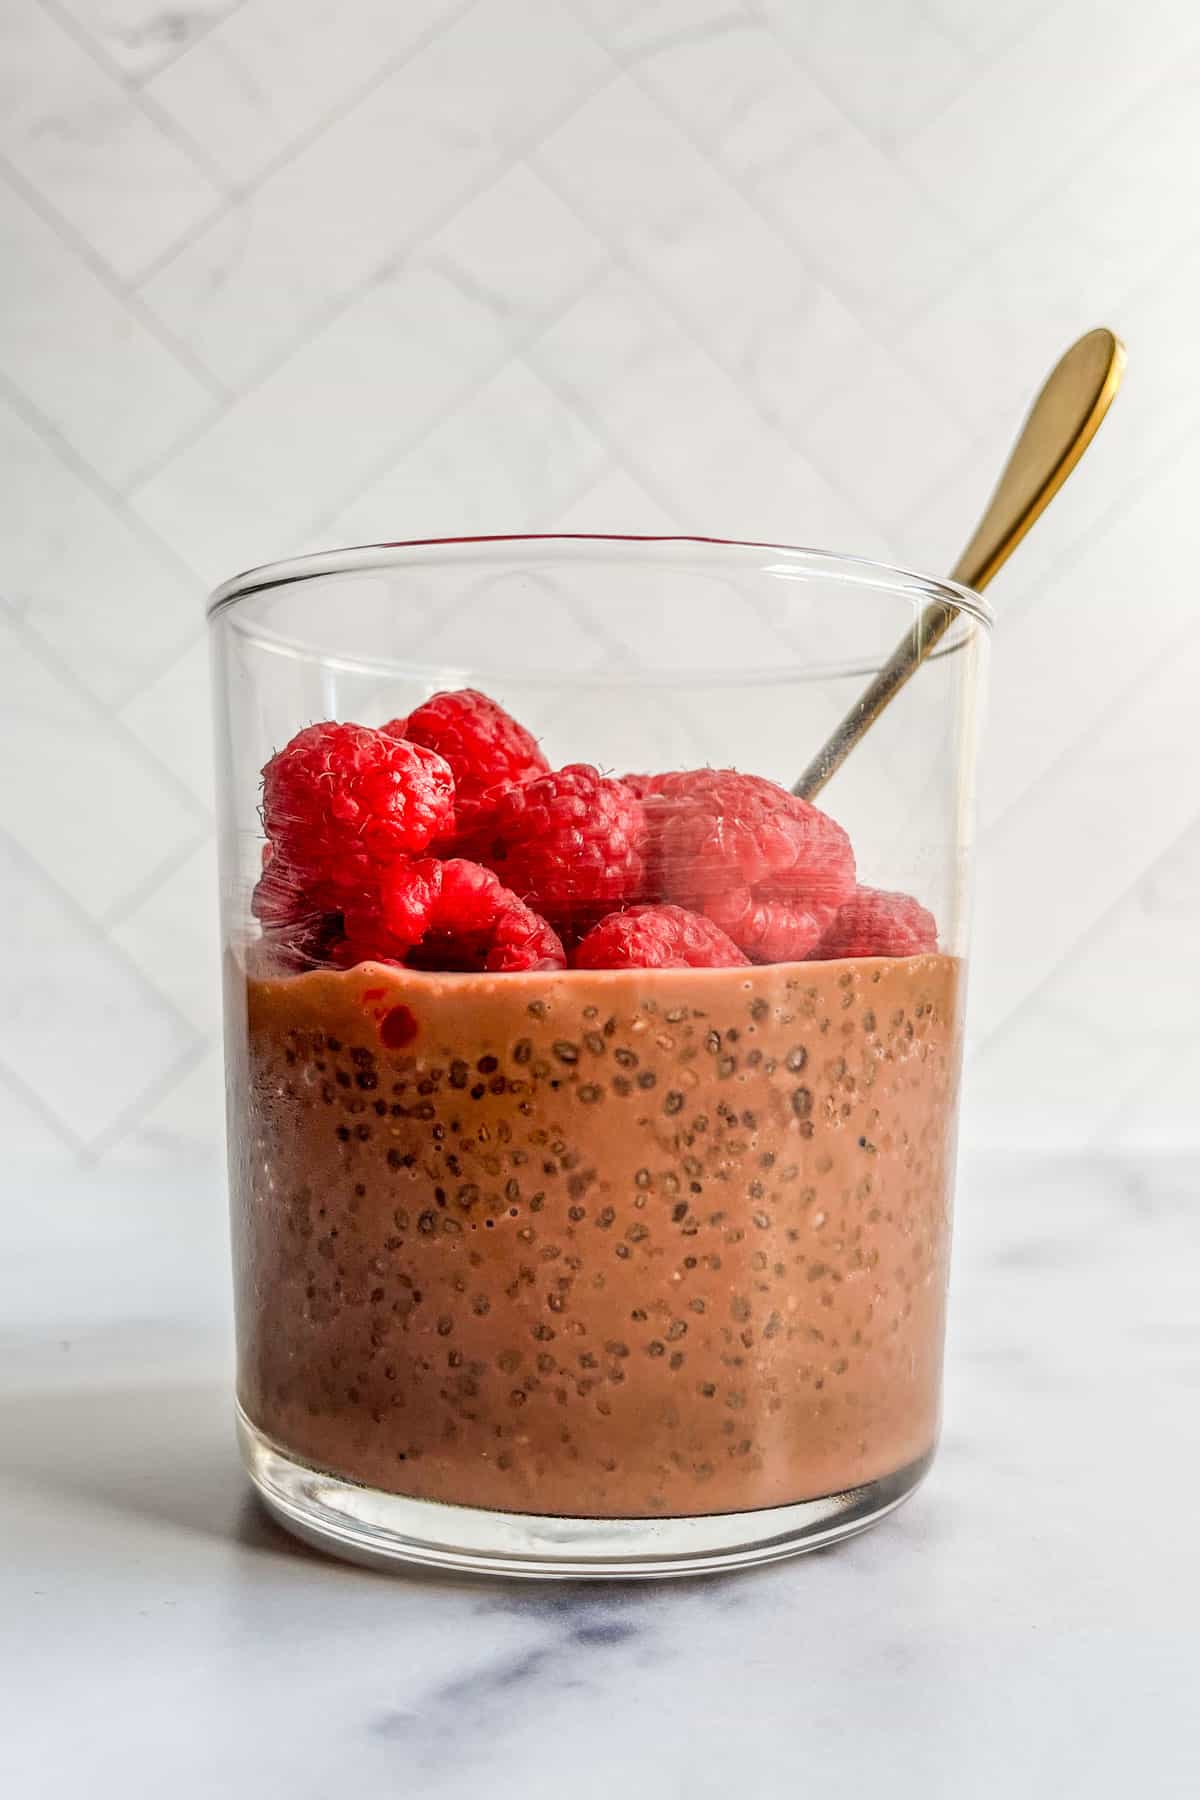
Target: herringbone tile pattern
x,y
283,273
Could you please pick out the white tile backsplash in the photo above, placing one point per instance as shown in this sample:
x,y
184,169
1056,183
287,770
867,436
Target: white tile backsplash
x,y
92,809
633,29
511,457
518,250
171,936
81,1029
1046,106
107,168
392,169
84,358
81,573
313,432
622,164
1124,214
883,433
172,718
1059,636
1082,836
886,67
622,360
184,1122
248,89
283,272
1114,1035
617,502
982,28
29,1130
139,36
802,164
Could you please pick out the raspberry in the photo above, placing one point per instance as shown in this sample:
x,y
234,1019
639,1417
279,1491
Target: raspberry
x,y
769,930
449,915
366,942
767,867
279,899
643,785
309,945
487,750
874,922
570,843
657,937
297,932
340,801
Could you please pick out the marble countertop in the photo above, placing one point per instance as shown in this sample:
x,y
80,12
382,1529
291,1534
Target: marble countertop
x,y
1026,1626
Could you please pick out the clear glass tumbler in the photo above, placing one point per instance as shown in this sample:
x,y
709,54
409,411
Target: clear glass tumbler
x,y
591,1141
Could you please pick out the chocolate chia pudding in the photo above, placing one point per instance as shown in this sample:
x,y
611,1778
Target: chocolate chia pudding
x,y
626,1243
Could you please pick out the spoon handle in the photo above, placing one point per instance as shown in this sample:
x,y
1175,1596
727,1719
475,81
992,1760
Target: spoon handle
x,y
1060,425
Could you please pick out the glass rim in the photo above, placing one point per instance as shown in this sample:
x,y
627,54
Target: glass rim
x,y
803,562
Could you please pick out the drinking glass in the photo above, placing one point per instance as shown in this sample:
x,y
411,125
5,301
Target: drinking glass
x,y
609,1271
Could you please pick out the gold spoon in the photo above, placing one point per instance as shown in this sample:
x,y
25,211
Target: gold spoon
x,y
1061,424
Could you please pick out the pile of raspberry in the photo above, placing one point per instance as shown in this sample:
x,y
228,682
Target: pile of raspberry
x,y
445,841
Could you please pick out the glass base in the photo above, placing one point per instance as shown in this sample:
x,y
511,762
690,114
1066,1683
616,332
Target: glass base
x,y
368,1526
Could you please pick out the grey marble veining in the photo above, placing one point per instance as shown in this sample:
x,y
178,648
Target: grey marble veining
x,y
1026,1625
